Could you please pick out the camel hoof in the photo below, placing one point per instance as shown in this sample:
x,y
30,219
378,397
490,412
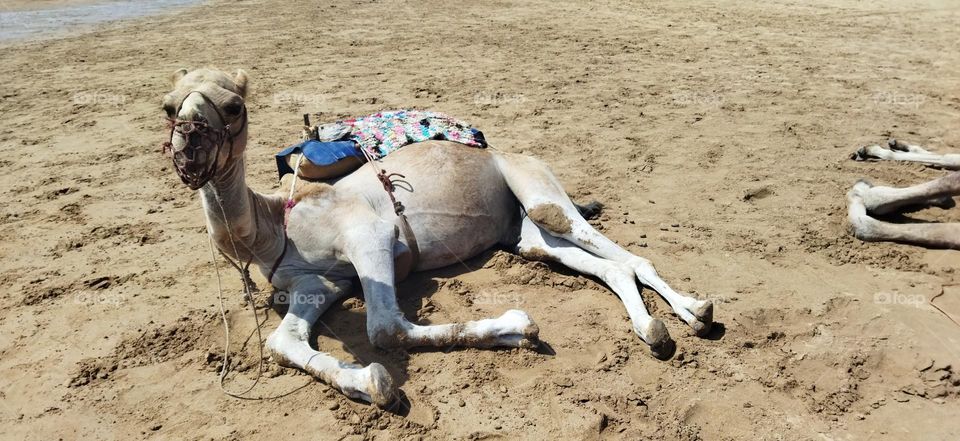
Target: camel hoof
x,y
661,345
860,154
380,389
944,203
520,331
519,319
532,331
871,152
893,144
703,311
527,343
590,210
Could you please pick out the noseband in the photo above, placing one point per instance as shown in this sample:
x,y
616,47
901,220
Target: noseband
x,y
186,159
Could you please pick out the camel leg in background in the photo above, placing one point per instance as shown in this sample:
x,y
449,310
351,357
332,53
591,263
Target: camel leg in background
x,y
884,200
899,151
866,228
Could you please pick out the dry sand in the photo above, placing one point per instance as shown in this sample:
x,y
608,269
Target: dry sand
x,y
716,132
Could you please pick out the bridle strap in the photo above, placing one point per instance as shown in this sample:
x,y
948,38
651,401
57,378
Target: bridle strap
x,y
217,110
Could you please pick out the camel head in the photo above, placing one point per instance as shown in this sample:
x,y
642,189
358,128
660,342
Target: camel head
x,y
208,122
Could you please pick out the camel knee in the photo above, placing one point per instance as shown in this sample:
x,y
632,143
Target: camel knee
x,y
387,335
641,265
552,218
534,252
384,339
278,346
618,273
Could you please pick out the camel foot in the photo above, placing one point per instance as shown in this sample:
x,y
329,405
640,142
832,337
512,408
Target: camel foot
x,y
516,329
893,144
945,203
703,311
590,210
658,338
870,152
372,384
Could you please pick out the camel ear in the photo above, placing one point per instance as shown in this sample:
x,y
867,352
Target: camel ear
x,y
177,75
241,81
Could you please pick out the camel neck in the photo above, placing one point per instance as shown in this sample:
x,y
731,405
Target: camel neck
x,y
234,211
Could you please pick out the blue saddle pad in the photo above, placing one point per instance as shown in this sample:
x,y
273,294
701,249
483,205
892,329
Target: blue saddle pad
x,y
319,153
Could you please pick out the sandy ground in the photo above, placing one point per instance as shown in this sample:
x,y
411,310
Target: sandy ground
x,y
717,133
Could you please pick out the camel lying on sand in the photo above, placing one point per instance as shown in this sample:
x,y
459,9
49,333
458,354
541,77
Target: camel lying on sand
x,y
865,199
463,201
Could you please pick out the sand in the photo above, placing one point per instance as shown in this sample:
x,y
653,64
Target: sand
x,y
717,133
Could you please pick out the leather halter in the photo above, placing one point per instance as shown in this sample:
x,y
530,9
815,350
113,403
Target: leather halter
x,y
185,159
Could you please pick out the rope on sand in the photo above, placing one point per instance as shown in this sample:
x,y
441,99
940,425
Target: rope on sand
x,y
248,296
948,316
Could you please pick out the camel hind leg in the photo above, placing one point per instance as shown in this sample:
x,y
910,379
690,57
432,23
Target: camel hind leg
x,y
537,244
549,207
899,151
866,228
885,200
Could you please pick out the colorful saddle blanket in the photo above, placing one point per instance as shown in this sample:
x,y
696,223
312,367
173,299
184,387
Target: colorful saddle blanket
x,y
379,135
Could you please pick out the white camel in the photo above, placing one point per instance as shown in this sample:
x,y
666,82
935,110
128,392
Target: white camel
x,y
865,199
463,201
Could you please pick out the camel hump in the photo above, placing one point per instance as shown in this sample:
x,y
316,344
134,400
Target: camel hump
x,y
304,189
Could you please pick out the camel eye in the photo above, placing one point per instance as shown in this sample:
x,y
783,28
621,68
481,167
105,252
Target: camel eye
x,y
233,109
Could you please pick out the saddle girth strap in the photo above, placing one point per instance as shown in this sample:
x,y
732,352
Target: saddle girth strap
x,y
276,263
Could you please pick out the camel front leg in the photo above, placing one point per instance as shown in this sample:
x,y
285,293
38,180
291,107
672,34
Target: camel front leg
x,y
866,228
372,256
289,345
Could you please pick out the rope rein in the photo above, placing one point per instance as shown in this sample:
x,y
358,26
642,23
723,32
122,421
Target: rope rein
x,y
182,161
248,296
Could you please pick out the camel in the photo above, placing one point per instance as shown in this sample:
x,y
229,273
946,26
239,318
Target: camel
x,y
464,200
865,199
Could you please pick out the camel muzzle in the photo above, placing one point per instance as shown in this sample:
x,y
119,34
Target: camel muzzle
x,y
196,163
